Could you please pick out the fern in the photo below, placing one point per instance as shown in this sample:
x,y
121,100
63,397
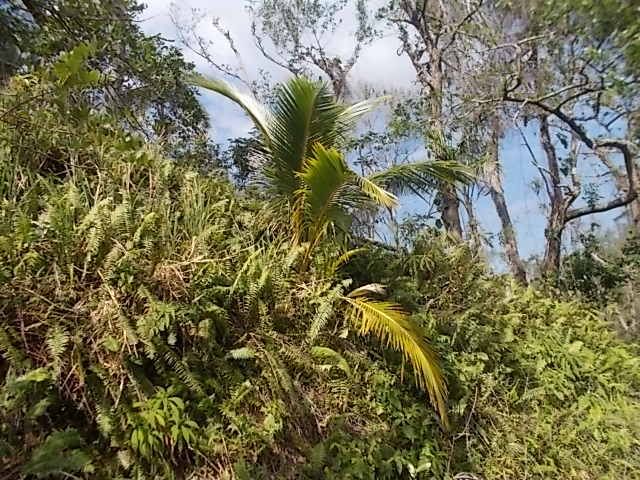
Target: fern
x,y
181,370
333,358
324,312
243,353
121,218
60,454
10,352
57,340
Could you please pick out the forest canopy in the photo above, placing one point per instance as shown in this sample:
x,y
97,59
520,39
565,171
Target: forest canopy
x,y
319,297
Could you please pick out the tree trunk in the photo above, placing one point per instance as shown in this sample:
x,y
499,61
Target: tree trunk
x,y
551,261
450,204
473,225
450,210
427,56
556,219
494,182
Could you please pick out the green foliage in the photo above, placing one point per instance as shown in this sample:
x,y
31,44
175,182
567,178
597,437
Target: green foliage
x,y
592,271
142,76
303,136
60,454
158,324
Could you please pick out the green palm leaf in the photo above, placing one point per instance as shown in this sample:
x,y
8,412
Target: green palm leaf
x,y
328,190
252,107
376,193
350,115
420,176
391,324
323,196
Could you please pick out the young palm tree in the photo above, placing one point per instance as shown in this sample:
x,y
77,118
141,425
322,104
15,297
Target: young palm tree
x,y
303,167
301,141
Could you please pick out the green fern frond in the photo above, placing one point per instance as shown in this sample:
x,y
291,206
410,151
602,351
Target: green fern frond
x,y
57,340
121,218
60,454
333,358
9,351
243,353
181,370
324,312
278,377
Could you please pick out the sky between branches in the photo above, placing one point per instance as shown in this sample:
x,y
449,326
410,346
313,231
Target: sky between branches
x,y
381,66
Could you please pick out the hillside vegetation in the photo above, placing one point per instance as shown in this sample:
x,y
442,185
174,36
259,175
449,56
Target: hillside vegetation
x,y
159,323
324,296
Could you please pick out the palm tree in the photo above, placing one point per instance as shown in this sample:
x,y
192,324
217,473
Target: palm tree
x,y
301,140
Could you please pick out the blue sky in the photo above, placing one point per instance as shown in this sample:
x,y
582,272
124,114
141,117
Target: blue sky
x,y
381,67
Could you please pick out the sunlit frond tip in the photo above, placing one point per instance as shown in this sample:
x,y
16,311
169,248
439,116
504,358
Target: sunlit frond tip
x,y
391,324
246,101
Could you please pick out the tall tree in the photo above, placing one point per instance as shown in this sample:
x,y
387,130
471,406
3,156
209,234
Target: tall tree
x,y
577,87
295,35
431,35
493,180
300,32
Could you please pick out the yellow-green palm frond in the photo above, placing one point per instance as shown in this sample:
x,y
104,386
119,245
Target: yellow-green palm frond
x,y
376,193
351,114
421,176
371,288
324,195
252,107
332,267
391,324
324,176
303,114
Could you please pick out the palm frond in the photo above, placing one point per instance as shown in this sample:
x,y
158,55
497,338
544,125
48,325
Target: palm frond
x,y
371,288
324,184
351,114
343,259
390,323
379,195
420,176
247,102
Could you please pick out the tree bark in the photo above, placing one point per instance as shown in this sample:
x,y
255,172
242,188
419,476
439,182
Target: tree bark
x,y
494,183
450,211
427,55
450,203
556,219
473,225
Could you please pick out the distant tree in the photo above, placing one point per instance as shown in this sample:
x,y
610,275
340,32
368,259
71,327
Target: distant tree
x,y
143,77
432,35
578,88
291,34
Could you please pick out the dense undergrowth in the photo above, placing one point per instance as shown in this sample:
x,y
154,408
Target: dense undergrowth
x,y
157,324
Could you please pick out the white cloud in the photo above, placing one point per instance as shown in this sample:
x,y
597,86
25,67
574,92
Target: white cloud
x,y
379,64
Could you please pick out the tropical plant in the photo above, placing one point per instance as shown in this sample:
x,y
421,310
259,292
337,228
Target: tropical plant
x,y
304,169
303,136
